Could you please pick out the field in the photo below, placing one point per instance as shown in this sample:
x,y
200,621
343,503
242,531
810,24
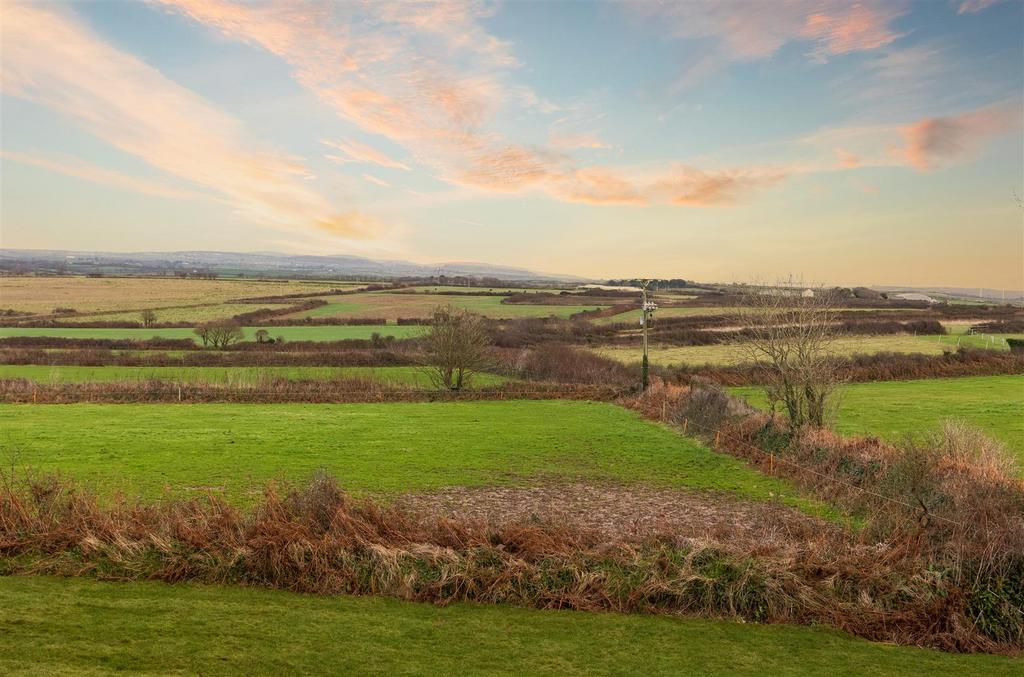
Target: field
x,y
74,626
730,353
40,295
297,333
238,376
894,409
633,316
392,306
143,449
193,314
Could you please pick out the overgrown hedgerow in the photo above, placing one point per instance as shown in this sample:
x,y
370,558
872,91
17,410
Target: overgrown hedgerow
x,y
318,539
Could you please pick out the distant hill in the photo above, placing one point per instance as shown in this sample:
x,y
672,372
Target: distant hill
x,y
259,263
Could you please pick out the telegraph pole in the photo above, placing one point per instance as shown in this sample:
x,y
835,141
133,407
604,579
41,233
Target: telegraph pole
x,y
646,311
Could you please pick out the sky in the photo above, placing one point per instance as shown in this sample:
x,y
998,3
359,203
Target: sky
x,y
872,142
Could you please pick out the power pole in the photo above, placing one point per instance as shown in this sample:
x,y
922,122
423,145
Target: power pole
x,y
646,311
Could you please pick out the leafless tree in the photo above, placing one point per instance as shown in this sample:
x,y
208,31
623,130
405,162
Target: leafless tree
x,y
457,345
220,333
792,332
148,318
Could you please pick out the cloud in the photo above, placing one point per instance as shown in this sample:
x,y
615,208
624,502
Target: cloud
x,y
359,152
846,159
574,141
53,60
595,185
81,169
692,187
373,179
974,6
749,31
936,142
428,77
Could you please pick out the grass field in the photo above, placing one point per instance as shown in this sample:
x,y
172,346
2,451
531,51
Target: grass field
x,y
141,449
392,306
40,295
183,314
56,626
633,316
238,376
893,409
729,353
298,333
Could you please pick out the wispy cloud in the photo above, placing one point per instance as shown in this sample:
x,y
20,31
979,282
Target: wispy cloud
x,y
354,151
132,106
373,179
974,6
742,30
88,171
576,141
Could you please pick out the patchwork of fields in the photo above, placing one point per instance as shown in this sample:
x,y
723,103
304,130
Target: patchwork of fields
x,y
517,459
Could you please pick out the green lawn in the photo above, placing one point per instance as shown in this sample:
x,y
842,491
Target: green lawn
x,y
55,626
892,409
141,449
731,353
394,305
298,333
239,376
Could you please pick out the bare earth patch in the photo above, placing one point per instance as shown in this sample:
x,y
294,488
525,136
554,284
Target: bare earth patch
x,y
628,513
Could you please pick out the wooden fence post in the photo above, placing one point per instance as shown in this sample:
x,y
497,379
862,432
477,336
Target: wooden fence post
x,y
718,434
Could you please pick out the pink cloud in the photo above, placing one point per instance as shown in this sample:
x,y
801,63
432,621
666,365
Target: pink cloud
x,y
847,160
359,152
693,187
108,177
973,6
133,107
935,142
574,141
373,179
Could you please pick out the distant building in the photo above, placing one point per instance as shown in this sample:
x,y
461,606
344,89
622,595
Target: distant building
x,y
807,293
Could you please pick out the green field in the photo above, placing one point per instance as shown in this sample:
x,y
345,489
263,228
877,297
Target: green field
x,y
297,333
196,314
730,353
56,626
894,409
141,449
393,305
237,376
633,316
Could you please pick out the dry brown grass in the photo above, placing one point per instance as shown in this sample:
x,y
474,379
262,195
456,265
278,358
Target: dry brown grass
x,y
40,295
317,539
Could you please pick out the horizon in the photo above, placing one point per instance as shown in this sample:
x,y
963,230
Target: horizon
x,y
877,143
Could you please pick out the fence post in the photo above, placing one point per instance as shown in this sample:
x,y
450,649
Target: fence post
x,y
771,463
718,435
179,392
686,424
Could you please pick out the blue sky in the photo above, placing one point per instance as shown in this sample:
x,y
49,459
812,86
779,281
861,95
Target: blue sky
x,y
868,142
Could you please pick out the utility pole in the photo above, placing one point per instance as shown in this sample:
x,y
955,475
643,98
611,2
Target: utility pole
x,y
646,311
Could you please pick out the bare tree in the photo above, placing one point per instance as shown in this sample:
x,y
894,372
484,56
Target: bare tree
x,y
148,318
219,333
457,346
203,332
263,336
792,331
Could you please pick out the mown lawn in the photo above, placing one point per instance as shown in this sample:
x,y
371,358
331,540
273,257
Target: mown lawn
x,y
143,449
238,376
55,626
894,409
391,306
732,353
297,333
